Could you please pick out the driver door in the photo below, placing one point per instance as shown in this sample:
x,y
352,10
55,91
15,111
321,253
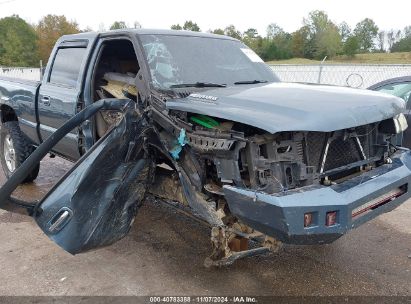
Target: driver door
x,y
93,204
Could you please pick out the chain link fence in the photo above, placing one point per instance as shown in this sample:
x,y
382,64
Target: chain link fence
x,y
22,73
356,76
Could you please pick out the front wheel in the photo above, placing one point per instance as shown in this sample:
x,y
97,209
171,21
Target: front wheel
x,y
14,150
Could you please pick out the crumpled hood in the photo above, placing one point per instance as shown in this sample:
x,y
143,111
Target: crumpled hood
x,y
277,107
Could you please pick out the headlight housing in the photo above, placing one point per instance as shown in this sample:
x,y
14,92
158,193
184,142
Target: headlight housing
x,y
400,122
395,125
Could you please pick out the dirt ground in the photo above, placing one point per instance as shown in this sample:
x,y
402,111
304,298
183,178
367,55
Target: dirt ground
x,y
164,254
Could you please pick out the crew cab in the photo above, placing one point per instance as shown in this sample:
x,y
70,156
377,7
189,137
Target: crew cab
x,y
200,121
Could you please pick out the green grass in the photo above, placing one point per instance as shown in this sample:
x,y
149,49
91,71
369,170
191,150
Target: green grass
x,y
373,58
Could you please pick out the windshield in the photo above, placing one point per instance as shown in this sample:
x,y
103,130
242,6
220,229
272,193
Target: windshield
x,y
175,60
402,89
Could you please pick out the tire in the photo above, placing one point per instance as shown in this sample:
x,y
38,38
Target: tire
x,y
14,150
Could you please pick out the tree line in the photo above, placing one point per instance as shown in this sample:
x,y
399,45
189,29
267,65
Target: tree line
x,y
23,44
317,38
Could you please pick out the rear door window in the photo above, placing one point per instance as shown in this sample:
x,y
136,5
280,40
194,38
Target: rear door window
x,y
66,66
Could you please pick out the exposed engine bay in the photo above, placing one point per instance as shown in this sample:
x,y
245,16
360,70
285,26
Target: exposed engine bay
x,y
199,154
203,154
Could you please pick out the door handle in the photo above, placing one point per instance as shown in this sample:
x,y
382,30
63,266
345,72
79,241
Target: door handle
x,y
46,100
60,220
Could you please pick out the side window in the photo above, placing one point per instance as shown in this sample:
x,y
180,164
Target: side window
x,y
66,66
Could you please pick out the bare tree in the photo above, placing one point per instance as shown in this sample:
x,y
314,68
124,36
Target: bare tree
x,y
398,36
273,30
101,27
381,40
345,31
137,25
390,39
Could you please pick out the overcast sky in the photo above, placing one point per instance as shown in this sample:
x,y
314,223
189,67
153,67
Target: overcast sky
x,y
211,14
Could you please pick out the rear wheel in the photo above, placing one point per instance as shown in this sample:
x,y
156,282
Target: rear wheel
x,y
14,150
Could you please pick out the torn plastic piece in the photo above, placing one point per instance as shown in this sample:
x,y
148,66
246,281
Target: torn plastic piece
x,y
178,147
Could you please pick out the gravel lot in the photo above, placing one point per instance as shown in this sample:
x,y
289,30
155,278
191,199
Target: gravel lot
x,y
164,254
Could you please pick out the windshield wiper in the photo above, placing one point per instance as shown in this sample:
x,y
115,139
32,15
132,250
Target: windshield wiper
x,y
250,81
198,85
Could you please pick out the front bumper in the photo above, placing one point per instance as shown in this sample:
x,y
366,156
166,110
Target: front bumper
x,y
282,215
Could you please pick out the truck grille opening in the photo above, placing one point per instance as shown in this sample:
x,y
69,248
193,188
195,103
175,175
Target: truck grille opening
x,y
315,144
342,147
379,201
341,153
288,160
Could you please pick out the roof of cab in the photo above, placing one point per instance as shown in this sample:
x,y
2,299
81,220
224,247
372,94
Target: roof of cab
x,y
89,35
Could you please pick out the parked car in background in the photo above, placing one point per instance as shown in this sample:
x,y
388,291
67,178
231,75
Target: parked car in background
x,y
400,87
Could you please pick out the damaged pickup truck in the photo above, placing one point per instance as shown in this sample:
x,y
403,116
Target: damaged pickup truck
x,y
199,121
